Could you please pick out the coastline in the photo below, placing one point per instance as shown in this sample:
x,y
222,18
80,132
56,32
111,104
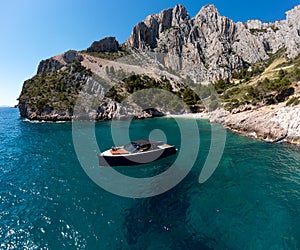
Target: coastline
x,y
190,115
274,123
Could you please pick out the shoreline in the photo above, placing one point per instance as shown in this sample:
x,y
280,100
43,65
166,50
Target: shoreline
x,y
267,124
250,134
264,129
254,135
190,115
203,116
274,123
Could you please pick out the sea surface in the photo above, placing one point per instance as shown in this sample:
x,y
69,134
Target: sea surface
x,y
47,201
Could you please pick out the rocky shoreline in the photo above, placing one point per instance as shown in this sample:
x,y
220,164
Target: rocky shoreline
x,y
115,111
272,123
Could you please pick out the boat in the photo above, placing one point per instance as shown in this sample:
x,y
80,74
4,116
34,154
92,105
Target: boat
x,y
136,152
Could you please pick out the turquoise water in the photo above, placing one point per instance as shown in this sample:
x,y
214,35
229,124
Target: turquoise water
x,y
252,201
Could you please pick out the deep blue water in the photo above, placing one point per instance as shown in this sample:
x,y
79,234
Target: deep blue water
x,y
252,201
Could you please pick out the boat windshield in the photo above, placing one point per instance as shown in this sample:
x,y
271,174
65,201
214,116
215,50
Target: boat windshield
x,y
132,147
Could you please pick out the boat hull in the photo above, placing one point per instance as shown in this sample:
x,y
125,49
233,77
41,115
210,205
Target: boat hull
x,y
136,159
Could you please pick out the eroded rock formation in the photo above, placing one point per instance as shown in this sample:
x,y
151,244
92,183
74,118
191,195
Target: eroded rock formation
x,y
210,46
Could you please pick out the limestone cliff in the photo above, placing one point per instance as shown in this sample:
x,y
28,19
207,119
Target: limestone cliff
x,y
210,46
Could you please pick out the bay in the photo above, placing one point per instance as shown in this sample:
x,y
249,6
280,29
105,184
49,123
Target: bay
x,y
252,200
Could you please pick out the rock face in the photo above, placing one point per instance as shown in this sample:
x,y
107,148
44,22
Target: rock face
x,y
148,32
210,46
49,66
52,64
72,56
271,123
108,44
108,108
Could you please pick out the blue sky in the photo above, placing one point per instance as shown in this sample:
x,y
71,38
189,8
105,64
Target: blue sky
x,y
32,30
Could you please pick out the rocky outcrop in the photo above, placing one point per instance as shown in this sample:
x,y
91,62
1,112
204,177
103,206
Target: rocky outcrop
x,y
83,109
72,56
108,44
45,114
271,123
147,33
107,108
210,46
115,110
289,120
49,66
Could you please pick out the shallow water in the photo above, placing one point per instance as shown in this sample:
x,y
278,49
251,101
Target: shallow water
x,y
252,201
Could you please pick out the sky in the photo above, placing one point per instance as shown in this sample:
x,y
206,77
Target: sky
x,y
33,30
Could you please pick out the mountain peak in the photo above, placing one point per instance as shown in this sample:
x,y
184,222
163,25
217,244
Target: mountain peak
x,y
180,9
180,13
147,32
208,10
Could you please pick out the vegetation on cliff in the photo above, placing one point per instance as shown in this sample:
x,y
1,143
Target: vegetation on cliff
x,y
109,55
266,83
58,91
160,94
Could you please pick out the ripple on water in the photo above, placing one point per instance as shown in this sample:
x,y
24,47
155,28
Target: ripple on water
x,y
47,201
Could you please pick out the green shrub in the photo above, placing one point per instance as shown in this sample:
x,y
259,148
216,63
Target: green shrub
x,y
58,89
293,101
277,84
221,85
253,31
41,103
189,97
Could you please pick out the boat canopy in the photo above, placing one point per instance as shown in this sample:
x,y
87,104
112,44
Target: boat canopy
x,y
145,142
141,145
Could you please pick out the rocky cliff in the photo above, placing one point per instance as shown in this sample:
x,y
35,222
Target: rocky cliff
x,y
64,90
210,46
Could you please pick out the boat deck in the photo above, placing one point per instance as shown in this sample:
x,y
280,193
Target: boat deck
x,y
118,151
121,151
